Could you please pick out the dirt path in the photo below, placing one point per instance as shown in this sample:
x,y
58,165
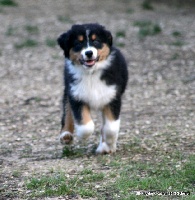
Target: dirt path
x,y
159,105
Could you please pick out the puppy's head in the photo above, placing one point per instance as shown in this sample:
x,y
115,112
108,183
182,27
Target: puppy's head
x,y
86,44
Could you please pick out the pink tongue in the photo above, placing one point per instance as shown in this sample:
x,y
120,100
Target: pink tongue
x,y
90,62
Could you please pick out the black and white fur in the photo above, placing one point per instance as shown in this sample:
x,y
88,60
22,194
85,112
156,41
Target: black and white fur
x,y
95,78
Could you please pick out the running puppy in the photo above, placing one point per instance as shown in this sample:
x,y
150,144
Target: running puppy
x,y
95,77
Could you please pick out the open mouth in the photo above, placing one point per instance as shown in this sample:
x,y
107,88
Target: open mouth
x,y
89,62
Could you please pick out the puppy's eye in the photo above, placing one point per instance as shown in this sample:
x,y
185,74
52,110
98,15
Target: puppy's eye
x,y
97,43
78,45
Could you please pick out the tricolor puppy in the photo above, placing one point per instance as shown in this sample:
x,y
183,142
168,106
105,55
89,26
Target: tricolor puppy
x,y
95,78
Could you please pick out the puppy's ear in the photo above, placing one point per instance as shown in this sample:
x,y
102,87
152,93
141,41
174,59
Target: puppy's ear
x,y
109,37
63,42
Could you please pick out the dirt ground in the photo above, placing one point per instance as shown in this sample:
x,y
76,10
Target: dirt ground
x,y
159,104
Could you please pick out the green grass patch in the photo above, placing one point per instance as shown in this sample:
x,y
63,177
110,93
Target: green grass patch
x,y
120,38
31,29
176,34
16,173
28,43
146,5
121,34
10,31
165,176
142,24
86,172
93,177
64,19
177,43
175,56
130,11
58,184
84,192
69,152
50,42
124,179
147,28
49,185
120,44
8,3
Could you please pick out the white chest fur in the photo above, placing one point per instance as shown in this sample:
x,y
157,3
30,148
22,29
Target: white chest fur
x,y
89,88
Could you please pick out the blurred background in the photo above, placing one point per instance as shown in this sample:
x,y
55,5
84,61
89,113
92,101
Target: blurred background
x,y
158,41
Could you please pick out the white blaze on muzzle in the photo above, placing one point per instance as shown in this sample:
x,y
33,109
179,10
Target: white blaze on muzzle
x,y
89,56
85,51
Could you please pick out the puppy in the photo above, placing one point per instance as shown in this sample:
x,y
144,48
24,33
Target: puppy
x,y
95,77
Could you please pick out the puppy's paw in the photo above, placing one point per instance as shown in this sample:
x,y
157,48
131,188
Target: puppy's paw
x,y
104,148
66,137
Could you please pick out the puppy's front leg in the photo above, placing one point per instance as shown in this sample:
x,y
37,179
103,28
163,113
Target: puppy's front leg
x,y
66,135
83,123
110,130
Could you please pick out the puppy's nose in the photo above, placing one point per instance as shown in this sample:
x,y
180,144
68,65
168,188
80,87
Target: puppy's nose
x,y
89,53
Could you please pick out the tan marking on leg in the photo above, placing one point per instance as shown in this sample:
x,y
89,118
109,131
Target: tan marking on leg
x,y
69,123
86,116
107,113
104,52
75,56
109,133
68,126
